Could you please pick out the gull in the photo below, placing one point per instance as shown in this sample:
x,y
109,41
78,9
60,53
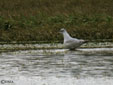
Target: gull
x,y
69,42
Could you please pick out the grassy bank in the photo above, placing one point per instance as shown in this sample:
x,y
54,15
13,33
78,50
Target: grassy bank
x,y
41,20
8,47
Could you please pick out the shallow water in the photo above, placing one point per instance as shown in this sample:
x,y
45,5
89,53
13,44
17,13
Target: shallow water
x,y
85,66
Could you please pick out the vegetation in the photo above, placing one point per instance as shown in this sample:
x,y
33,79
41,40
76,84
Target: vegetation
x,y
41,20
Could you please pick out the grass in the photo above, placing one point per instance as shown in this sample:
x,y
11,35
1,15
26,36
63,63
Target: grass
x,y
41,20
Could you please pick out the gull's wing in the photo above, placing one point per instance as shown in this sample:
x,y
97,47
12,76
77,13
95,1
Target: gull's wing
x,y
72,41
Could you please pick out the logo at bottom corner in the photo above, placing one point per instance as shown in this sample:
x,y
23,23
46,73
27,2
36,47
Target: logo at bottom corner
x,y
6,81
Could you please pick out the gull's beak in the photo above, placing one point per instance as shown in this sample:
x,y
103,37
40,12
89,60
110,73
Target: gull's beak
x,y
62,30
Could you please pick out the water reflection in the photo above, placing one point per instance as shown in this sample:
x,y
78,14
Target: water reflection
x,y
58,62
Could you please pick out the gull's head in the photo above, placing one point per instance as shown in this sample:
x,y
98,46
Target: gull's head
x,y
62,30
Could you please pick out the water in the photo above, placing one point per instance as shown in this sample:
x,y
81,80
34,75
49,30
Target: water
x,y
85,66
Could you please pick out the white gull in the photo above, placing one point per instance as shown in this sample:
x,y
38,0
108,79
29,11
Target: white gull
x,y
69,42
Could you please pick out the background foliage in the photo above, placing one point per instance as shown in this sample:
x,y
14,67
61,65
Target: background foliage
x,y
41,20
